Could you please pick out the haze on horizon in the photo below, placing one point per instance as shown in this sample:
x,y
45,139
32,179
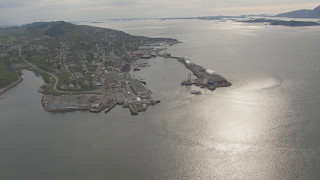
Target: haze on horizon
x,y
27,11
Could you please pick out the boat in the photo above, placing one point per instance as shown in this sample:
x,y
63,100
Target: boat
x,y
146,56
95,110
197,92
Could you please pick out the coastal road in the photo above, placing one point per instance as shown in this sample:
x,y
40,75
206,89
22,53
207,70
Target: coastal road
x,y
52,75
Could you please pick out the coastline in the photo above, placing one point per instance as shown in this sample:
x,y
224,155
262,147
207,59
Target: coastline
x,y
12,85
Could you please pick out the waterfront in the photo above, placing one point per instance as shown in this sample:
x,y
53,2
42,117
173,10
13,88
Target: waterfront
x,y
265,126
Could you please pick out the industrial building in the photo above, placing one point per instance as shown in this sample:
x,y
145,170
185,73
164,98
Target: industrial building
x,y
139,89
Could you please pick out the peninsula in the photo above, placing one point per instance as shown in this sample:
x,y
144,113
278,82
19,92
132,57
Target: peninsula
x,y
88,68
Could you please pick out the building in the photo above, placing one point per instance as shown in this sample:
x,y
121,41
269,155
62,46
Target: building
x,y
139,89
188,62
210,72
98,84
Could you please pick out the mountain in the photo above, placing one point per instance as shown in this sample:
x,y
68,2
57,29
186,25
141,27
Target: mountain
x,y
304,13
81,37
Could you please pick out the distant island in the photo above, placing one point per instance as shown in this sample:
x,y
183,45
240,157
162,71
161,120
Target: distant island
x,y
264,18
88,68
303,13
281,22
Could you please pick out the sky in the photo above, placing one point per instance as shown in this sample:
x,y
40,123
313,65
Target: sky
x,y
27,11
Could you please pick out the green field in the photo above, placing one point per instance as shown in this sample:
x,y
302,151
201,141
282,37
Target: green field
x,y
3,39
7,75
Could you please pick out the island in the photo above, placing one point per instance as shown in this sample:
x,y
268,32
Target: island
x,y
88,68
274,22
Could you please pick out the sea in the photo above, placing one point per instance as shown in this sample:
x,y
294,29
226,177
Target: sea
x,y
265,126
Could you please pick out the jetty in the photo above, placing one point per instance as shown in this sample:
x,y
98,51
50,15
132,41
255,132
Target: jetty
x,y
111,105
205,78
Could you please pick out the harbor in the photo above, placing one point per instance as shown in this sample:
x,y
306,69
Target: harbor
x,y
132,94
119,86
122,88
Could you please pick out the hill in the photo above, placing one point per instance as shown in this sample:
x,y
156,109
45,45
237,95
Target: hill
x,y
281,22
304,13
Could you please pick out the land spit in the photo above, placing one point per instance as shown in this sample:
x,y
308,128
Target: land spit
x,y
206,78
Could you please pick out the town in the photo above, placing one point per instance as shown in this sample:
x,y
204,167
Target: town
x,y
84,68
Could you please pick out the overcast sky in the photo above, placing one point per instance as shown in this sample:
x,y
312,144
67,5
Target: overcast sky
x,y
26,11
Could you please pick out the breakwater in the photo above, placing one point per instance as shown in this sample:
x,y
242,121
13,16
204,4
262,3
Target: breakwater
x,y
206,78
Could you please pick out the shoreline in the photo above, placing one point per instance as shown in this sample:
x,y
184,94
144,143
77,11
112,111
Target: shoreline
x,y
12,85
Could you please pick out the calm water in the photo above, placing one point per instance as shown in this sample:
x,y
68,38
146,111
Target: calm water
x,y
265,126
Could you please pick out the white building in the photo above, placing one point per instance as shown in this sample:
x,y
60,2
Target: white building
x,y
210,72
188,62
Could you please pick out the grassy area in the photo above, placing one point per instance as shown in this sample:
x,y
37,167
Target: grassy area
x,y
41,61
64,78
3,39
51,90
48,79
7,75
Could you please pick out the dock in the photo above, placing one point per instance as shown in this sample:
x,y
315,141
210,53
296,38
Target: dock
x,y
112,105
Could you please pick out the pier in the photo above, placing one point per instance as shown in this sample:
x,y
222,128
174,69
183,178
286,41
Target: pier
x,y
206,78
